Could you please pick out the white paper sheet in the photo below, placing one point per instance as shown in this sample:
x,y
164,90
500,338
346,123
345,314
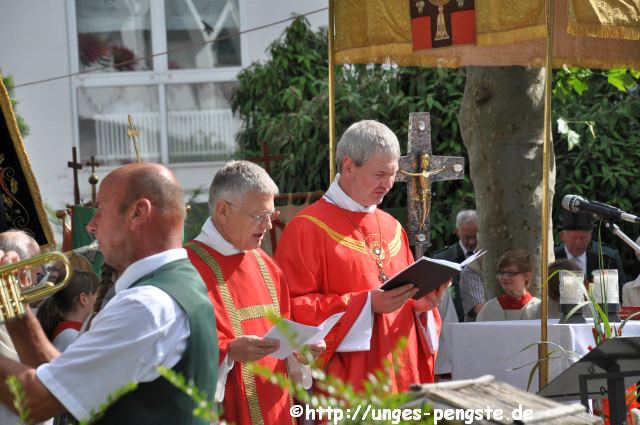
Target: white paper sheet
x,y
304,335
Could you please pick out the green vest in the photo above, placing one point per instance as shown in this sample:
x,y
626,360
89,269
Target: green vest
x,y
160,402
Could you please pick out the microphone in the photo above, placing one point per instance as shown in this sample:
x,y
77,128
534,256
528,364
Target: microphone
x,y
575,203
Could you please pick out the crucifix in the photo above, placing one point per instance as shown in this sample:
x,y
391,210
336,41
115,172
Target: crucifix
x,y
133,134
75,165
265,158
93,179
419,169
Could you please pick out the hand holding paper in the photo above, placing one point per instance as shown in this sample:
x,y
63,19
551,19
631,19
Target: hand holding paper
x,y
302,335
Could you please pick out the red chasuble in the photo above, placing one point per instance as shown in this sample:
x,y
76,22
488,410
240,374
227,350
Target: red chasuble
x,y
330,269
251,297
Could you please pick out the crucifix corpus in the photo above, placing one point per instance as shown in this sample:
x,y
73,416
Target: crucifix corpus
x,y
133,134
75,165
419,169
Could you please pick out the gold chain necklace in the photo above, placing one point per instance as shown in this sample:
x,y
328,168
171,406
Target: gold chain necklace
x,y
375,248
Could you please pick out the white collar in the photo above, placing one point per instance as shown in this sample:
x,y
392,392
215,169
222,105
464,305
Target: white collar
x,y
212,237
339,197
146,265
464,250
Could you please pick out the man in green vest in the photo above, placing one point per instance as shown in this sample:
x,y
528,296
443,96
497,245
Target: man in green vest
x,y
160,316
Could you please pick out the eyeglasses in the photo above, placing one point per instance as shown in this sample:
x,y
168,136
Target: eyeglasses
x,y
507,274
260,218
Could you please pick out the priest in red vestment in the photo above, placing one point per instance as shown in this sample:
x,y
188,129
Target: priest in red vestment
x,y
243,284
338,251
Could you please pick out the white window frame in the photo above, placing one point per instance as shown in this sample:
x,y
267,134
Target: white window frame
x,y
159,76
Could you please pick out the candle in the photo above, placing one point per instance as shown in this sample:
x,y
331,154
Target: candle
x,y
605,286
570,287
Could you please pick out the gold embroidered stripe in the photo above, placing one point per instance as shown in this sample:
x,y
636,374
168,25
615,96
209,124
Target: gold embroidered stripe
x,y
268,281
254,311
248,378
343,240
396,243
356,245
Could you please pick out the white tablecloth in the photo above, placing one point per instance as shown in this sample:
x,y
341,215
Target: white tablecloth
x,y
494,347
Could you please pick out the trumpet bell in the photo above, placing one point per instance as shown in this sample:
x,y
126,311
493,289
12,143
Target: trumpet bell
x,y
13,297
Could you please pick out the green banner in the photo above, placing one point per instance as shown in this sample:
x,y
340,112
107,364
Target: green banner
x,y
80,237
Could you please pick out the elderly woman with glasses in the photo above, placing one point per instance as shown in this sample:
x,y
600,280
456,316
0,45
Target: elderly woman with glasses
x,y
515,271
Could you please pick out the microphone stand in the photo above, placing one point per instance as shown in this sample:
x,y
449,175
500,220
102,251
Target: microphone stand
x,y
620,234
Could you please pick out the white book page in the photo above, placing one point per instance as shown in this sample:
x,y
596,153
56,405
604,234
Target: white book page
x,y
304,335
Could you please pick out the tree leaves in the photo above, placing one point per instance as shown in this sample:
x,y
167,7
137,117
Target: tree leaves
x,y
621,79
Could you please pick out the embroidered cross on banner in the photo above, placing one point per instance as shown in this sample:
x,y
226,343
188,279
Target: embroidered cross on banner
x,y
442,23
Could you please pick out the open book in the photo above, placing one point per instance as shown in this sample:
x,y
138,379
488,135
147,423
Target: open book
x,y
302,335
428,273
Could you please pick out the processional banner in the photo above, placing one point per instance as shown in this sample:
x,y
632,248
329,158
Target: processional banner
x,y
588,33
23,208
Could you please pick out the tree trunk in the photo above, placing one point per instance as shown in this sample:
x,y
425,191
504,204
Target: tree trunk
x,y
501,121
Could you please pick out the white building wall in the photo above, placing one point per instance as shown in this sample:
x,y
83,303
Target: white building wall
x,y
34,45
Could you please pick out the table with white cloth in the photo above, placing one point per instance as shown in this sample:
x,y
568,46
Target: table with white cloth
x,y
493,348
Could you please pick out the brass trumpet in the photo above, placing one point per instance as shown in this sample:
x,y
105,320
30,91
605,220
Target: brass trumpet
x,y
13,298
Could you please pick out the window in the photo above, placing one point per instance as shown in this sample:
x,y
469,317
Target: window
x,y
180,101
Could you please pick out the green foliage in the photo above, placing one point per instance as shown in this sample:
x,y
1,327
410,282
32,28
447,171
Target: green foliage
x,y
8,83
285,102
19,398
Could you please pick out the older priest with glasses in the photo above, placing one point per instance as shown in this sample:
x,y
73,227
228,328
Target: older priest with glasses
x,y
337,252
244,284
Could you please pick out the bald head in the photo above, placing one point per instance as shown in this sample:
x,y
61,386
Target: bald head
x,y
140,213
154,182
20,242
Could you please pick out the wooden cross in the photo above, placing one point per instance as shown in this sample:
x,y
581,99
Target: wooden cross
x,y
419,169
93,179
75,165
133,134
265,158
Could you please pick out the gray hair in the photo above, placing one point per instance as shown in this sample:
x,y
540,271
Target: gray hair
x,y
365,138
20,242
236,179
466,216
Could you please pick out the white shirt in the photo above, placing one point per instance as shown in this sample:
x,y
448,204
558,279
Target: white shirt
x,y
141,328
581,260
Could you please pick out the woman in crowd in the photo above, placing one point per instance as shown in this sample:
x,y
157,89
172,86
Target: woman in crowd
x,y
63,313
515,271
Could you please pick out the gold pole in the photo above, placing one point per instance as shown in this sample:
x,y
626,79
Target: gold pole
x,y
332,85
543,352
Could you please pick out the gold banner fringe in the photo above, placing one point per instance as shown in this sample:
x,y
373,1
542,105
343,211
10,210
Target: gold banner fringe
x,y
512,36
602,31
399,54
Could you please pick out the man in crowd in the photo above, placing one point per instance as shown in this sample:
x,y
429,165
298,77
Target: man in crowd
x,y
337,252
160,316
467,232
244,284
576,232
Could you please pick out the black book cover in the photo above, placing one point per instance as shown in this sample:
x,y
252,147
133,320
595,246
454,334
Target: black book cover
x,y
428,274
